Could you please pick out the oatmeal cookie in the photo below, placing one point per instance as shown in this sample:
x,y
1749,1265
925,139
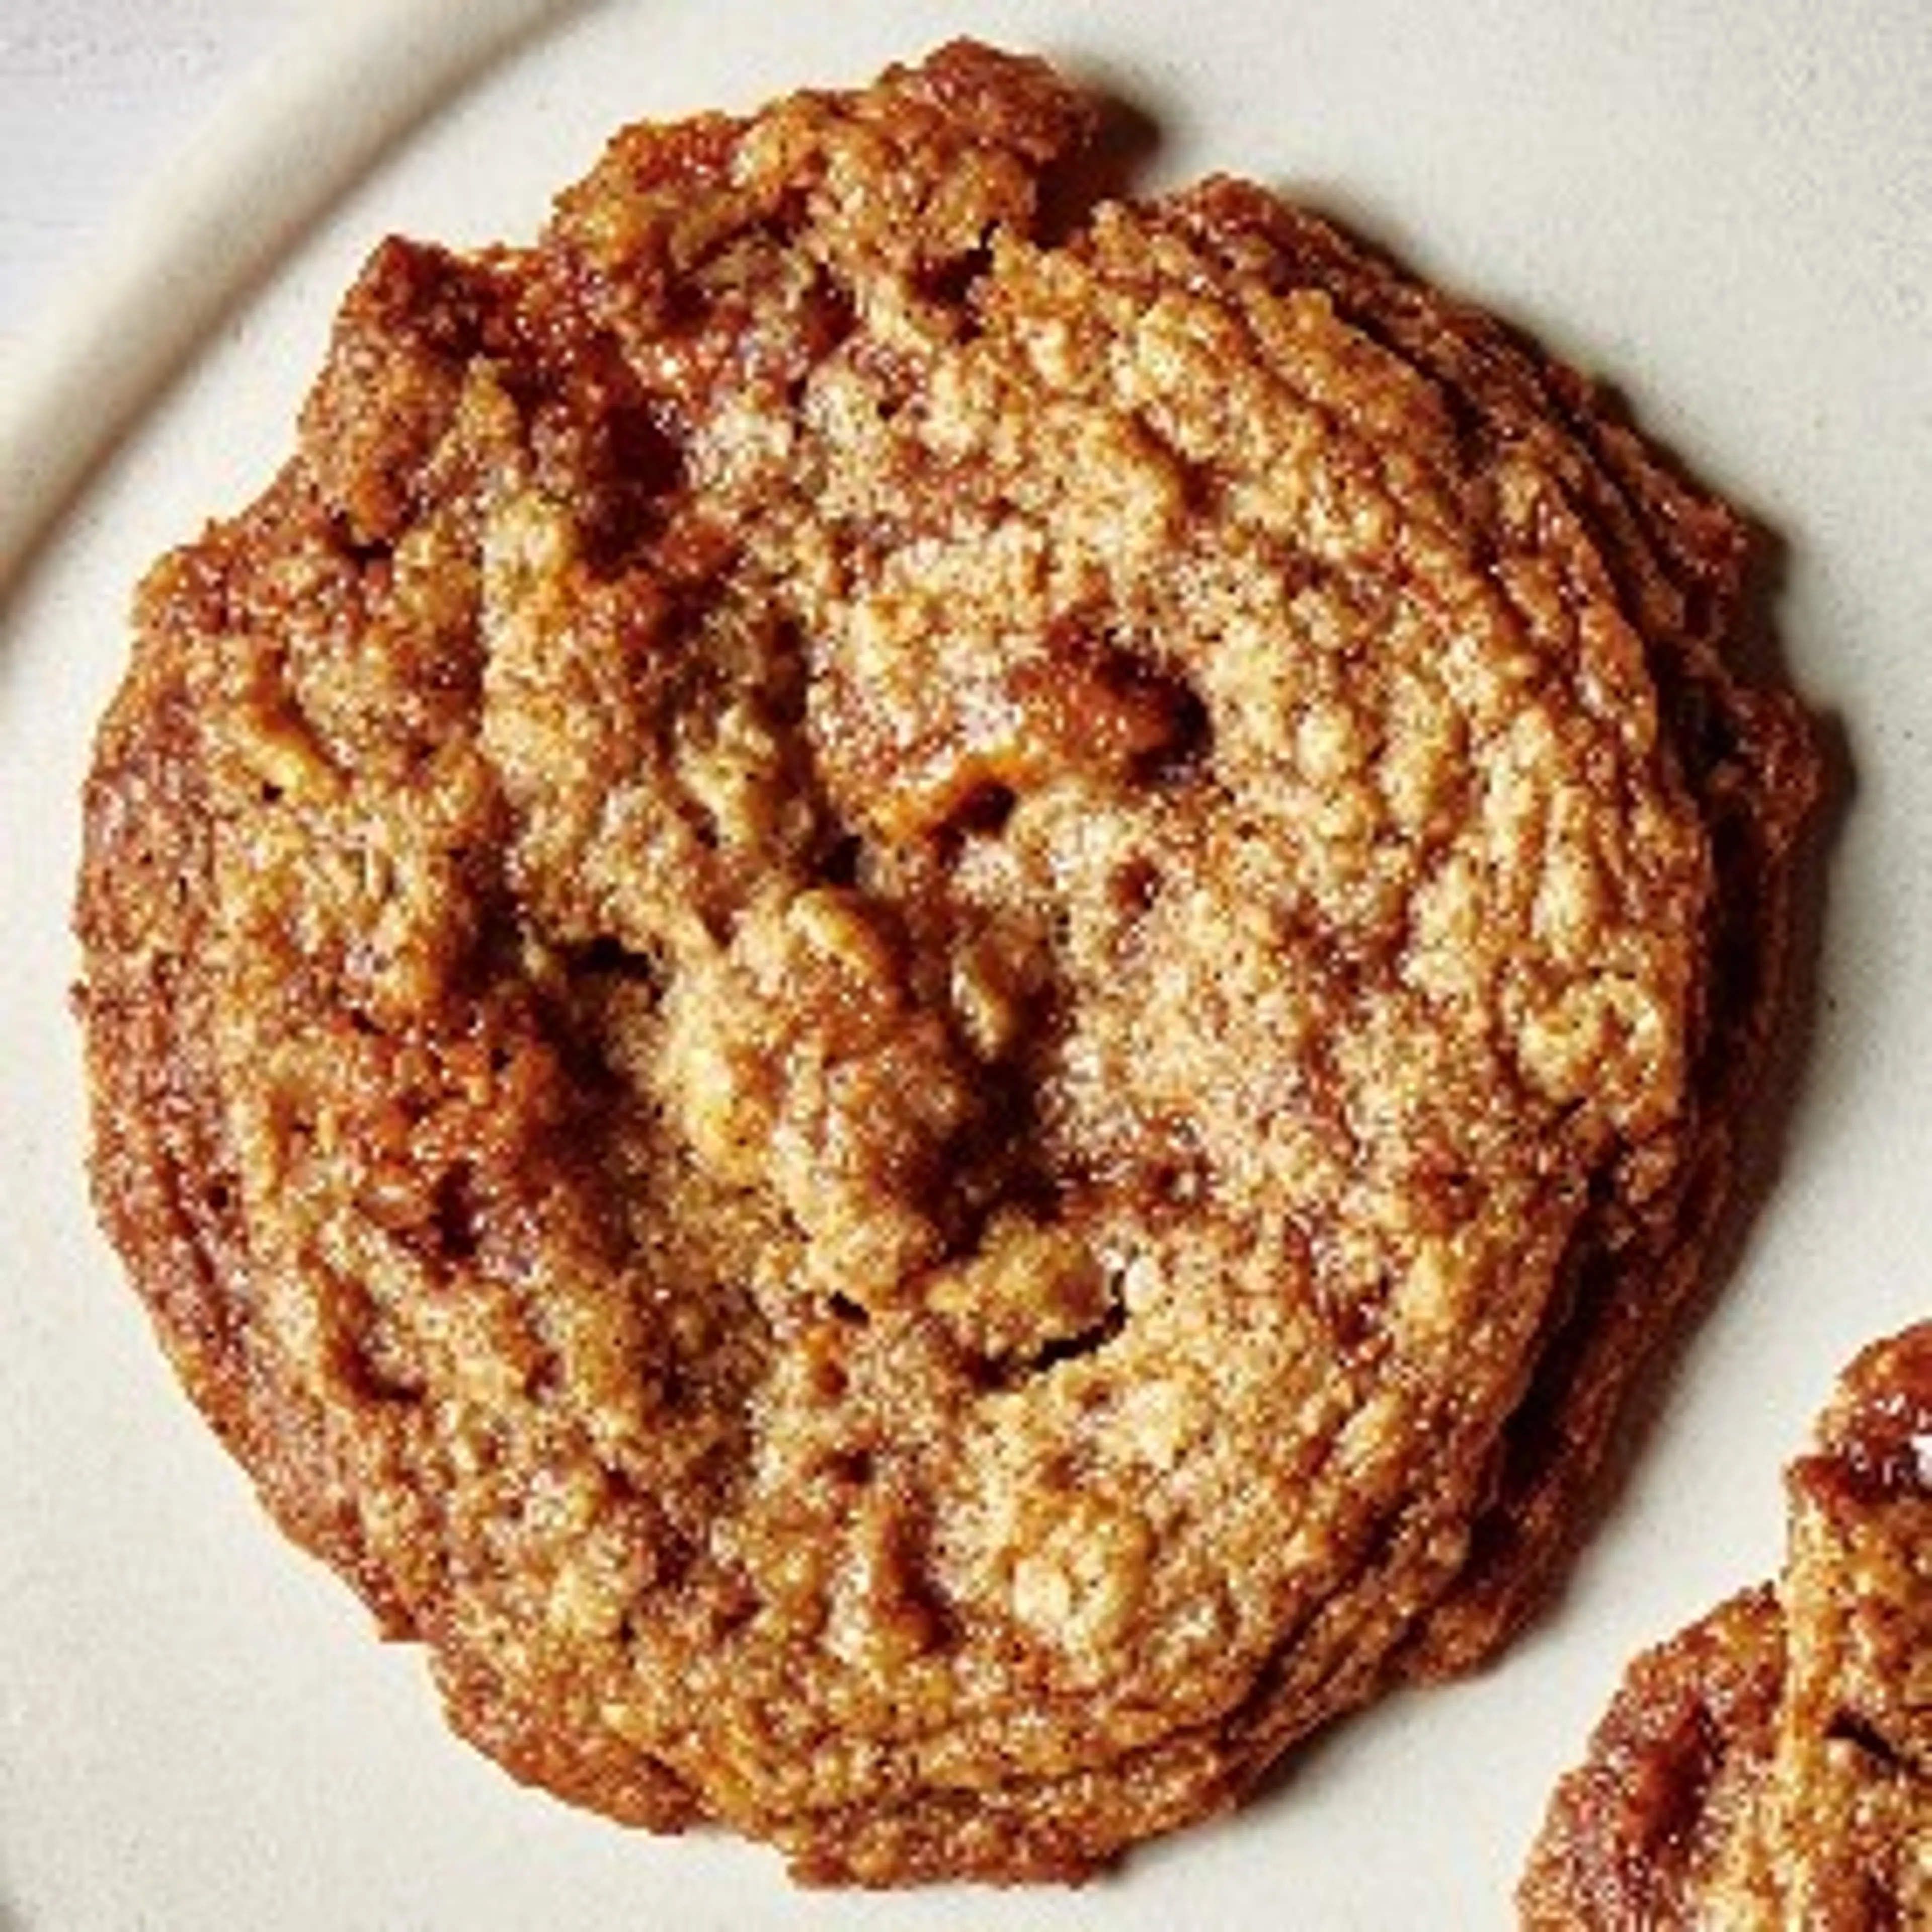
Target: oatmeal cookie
x,y
1772,1765
910,994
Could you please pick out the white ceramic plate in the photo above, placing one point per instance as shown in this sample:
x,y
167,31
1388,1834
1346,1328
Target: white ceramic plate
x,y
1728,208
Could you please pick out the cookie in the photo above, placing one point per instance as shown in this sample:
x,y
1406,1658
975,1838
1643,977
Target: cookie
x,y
1772,1765
911,993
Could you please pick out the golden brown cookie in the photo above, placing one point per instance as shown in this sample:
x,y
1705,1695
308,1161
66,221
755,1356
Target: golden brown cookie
x,y
913,997
1772,1765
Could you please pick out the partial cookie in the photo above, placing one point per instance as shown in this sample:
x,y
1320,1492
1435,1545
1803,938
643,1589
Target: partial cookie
x,y
1772,1765
913,1000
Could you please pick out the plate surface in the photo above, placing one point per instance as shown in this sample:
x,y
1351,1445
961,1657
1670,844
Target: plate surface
x,y
1726,209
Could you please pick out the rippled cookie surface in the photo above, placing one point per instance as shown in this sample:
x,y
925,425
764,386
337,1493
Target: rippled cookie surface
x,y
911,996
